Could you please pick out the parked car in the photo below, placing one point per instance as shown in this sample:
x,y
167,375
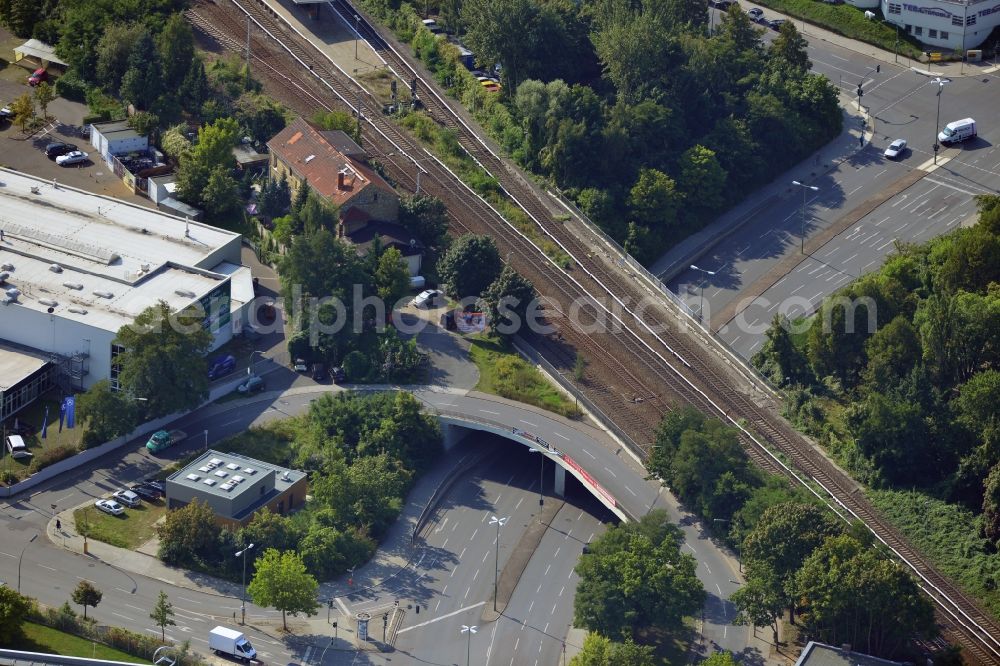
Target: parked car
x,y
110,506
156,485
147,493
775,24
426,298
300,365
756,14
7,112
72,157
319,372
161,439
251,385
895,149
17,447
38,76
54,150
337,374
221,366
128,498
722,5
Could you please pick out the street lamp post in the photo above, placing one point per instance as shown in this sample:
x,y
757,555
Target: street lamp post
x,y
466,629
250,368
243,604
357,34
937,124
499,522
206,440
802,236
33,537
701,299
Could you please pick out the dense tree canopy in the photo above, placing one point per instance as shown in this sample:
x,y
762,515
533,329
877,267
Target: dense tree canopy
x,y
635,577
469,266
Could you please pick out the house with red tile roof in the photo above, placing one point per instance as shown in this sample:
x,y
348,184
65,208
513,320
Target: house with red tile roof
x,y
335,168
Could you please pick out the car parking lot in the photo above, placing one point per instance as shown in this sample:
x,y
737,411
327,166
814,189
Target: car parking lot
x,y
27,153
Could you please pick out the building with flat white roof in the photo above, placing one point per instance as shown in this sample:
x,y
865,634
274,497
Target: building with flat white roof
x,y
75,267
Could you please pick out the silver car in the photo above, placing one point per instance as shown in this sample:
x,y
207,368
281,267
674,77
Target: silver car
x,y
895,149
110,506
74,157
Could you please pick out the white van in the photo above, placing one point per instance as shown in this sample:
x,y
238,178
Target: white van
x,y
960,130
17,447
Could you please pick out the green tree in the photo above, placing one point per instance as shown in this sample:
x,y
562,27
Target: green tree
x,y
779,359
144,123
470,265
720,658
789,50
507,300
44,94
391,278
895,435
654,201
960,334
337,120
892,352
369,491
86,594
781,541
854,594
267,530
112,53
13,611
174,141
188,535
600,651
23,108
164,358
108,413
759,604
275,197
991,507
195,88
634,578
163,614
213,150
175,44
142,82
426,217
221,194
282,582
702,178
261,116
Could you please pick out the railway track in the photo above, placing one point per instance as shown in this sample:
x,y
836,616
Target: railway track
x,y
638,373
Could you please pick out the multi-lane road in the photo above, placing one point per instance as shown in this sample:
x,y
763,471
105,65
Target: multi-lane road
x,y
761,269
450,579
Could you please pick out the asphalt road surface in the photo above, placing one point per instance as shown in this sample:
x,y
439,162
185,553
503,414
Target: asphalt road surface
x,y
49,573
902,104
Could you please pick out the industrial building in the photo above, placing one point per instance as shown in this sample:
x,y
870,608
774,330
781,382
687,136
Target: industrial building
x,y
945,25
235,487
75,267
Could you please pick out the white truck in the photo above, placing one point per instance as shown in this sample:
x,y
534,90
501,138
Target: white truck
x,y
231,642
960,130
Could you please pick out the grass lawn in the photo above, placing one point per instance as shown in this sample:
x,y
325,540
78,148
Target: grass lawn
x,y
129,530
34,415
503,372
39,638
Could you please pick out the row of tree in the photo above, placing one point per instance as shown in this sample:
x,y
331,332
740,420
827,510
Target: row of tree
x,y
913,353
797,557
362,453
651,120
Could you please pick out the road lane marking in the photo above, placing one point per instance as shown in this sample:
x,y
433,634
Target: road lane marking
x,y
533,425
13,557
485,555
589,453
445,544
538,589
559,434
462,554
51,569
518,505
547,570
441,617
466,593
123,616
719,589
610,472
552,613
343,606
561,590
474,533
437,605
530,606
707,567
135,607
485,411
556,554
308,652
441,526
476,575
631,491
190,600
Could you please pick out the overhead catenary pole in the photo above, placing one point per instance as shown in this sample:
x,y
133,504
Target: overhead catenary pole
x,y
802,235
248,53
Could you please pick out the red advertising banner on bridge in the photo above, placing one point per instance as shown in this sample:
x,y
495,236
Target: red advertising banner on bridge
x,y
589,479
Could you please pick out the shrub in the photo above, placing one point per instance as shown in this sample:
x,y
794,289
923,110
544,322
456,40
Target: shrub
x,y
71,86
52,456
356,366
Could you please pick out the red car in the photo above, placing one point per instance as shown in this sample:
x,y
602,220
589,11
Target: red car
x,y
38,76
